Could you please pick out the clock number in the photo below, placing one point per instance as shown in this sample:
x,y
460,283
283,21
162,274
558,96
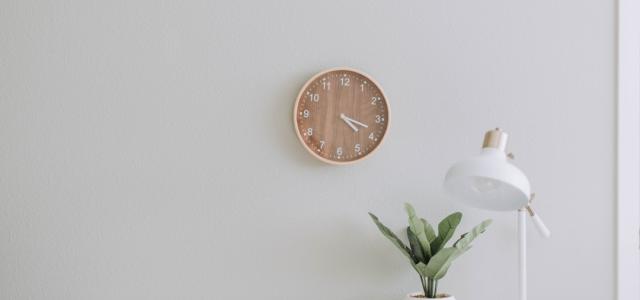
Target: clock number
x,y
321,145
339,151
374,99
357,148
326,85
344,81
379,119
306,113
371,137
314,97
309,131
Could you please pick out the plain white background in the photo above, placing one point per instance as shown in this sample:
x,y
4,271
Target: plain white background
x,y
628,154
147,149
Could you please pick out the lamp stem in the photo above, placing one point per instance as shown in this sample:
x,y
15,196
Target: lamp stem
x,y
522,257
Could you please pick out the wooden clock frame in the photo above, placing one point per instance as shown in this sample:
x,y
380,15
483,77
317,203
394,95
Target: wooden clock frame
x,y
316,77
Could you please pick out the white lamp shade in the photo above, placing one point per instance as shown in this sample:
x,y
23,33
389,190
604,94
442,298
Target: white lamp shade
x,y
488,181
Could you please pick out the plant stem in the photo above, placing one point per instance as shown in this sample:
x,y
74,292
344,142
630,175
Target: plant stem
x,y
424,285
432,288
435,289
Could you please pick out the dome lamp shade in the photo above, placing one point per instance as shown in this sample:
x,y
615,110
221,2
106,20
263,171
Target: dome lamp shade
x,y
489,180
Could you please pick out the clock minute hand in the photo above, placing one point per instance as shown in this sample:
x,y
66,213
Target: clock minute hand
x,y
359,123
347,120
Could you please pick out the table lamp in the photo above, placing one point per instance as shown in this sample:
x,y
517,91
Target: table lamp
x,y
490,181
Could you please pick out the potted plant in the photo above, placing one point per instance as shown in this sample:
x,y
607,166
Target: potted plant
x,y
427,252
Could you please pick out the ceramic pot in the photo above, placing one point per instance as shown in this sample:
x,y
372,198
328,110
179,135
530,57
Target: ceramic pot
x,y
419,296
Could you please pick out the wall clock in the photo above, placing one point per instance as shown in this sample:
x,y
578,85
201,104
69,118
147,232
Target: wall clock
x,y
341,115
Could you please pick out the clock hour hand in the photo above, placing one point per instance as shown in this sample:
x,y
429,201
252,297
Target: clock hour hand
x,y
346,120
359,123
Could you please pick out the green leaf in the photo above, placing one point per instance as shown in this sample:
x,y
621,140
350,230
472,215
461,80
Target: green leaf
x,y
421,268
417,227
464,243
440,263
446,228
428,230
392,237
416,249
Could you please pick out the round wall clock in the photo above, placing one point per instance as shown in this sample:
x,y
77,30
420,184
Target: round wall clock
x,y
341,115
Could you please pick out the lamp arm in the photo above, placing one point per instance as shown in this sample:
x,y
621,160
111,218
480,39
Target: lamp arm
x,y
542,228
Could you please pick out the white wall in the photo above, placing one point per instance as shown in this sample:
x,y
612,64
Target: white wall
x,y
147,149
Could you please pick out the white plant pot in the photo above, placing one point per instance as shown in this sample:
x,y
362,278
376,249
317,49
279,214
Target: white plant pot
x,y
420,296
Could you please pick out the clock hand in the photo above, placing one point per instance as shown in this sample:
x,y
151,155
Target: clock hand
x,y
346,120
359,123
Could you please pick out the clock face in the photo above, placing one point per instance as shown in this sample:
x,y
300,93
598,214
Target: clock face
x,y
341,115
